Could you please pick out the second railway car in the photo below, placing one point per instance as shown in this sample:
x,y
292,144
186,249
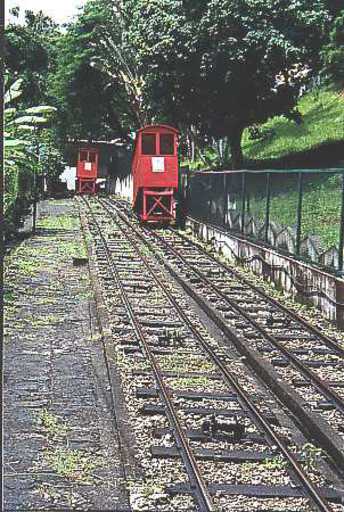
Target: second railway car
x,y
155,173
87,170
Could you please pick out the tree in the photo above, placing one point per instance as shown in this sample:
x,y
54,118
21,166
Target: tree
x,y
334,7
214,64
116,56
30,60
90,85
333,52
30,54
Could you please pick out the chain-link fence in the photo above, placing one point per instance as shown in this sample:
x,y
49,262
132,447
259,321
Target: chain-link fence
x,y
298,212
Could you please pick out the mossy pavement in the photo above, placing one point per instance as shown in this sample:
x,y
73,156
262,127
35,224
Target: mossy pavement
x,y
60,449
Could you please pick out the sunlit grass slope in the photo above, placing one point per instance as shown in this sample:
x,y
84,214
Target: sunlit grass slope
x,y
323,122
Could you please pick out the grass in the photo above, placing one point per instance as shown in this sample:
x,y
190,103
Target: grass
x,y
45,320
28,267
321,207
67,249
26,261
194,383
9,297
72,249
71,464
51,424
183,364
276,462
65,222
323,122
67,463
148,489
46,301
312,455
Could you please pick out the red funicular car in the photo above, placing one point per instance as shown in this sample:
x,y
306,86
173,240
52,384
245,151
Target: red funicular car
x,y
87,170
155,173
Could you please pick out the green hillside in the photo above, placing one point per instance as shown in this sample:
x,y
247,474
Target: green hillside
x,y
322,127
323,123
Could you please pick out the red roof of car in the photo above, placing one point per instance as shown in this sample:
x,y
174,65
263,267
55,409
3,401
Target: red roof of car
x,y
154,126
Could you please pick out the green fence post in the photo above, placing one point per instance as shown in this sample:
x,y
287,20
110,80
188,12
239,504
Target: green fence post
x,y
299,214
34,210
210,197
243,197
225,199
341,232
267,210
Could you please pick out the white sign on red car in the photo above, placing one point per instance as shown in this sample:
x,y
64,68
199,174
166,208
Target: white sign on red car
x,y
158,164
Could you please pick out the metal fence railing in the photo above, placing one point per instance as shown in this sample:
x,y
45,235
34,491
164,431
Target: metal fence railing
x,y
299,212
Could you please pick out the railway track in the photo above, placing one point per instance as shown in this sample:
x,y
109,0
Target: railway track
x,y
147,283
278,335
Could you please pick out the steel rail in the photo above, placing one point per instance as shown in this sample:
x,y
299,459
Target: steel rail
x,y
228,377
94,283
321,384
197,483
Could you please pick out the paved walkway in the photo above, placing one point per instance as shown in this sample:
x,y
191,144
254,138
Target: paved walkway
x,y
61,449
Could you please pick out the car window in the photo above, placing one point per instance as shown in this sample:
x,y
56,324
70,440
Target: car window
x,y
148,144
166,144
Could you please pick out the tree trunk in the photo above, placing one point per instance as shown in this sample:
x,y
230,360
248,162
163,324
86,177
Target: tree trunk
x,y
193,143
226,151
236,150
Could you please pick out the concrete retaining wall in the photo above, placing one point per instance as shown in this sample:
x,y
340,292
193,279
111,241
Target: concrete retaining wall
x,y
297,279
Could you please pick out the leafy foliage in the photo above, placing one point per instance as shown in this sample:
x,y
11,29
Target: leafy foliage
x,y
333,53
30,53
31,145
24,133
212,68
222,65
92,73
